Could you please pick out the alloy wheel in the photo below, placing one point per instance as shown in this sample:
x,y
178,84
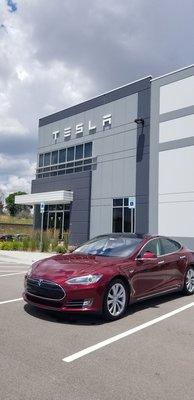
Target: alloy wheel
x,y
116,299
189,282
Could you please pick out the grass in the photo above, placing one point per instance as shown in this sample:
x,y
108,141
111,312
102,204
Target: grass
x,y
8,219
31,242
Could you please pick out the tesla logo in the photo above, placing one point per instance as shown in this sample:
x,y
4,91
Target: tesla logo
x,y
40,282
79,128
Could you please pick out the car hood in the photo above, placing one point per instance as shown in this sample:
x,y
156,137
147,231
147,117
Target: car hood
x,y
69,265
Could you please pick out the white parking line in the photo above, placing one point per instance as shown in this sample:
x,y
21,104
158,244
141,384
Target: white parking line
x,y
113,339
10,301
15,273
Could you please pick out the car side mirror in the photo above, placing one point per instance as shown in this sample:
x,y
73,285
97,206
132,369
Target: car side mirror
x,y
148,255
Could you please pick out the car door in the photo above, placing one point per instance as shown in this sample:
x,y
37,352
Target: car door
x,y
175,262
150,276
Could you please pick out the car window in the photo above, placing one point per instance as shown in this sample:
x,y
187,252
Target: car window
x,y
154,246
169,246
110,246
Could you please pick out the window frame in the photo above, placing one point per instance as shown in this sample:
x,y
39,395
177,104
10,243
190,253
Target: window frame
x,y
133,215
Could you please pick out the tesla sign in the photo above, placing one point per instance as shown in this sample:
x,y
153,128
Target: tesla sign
x,y
79,128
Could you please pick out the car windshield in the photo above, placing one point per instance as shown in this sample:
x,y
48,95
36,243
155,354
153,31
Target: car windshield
x,y
109,246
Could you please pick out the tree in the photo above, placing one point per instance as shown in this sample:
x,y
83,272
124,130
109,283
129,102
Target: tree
x,y
13,208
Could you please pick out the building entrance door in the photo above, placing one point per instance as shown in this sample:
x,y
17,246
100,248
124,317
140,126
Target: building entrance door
x,y
56,218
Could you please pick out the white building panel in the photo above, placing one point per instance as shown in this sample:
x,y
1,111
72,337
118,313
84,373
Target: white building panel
x,y
177,95
175,129
176,188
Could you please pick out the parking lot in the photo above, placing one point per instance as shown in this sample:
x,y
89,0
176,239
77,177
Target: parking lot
x,y
40,351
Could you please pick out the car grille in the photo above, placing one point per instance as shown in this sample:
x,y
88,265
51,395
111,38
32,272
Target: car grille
x,y
75,303
44,289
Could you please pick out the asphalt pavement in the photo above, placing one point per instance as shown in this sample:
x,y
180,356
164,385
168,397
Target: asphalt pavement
x,y
153,362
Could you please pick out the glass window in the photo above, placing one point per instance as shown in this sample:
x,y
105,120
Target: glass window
x,y
88,150
117,219
169,246
47,159
62,155
79,152
127,219
110,246
54,157
40,160
117,202
154,246
124,218
70,153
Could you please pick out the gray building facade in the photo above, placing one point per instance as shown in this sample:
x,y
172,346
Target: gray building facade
x,y
124,159
116,166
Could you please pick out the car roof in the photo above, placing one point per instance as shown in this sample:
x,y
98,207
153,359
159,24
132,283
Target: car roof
x,y
128,235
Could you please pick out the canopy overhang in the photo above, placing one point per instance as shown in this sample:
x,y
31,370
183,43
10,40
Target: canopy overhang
x,y
56,197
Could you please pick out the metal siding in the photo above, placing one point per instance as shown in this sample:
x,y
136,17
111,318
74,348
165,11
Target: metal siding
x,y
155,148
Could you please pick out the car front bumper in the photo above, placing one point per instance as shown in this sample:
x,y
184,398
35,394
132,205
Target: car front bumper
x,y
88,298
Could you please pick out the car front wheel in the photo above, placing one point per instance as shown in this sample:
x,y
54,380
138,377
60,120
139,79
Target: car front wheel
x,y
115,300
189,281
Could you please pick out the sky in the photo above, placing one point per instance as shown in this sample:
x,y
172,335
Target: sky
x,y
56,53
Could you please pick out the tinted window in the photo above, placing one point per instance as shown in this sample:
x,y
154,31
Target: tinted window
x,y
70,154
117,219
88,150
127,220
117,202
41,160
54,157
47,158
79,151
154,246
110,246
169,246
62,155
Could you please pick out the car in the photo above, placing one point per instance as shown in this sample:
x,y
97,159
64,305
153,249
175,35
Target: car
x,y
110,272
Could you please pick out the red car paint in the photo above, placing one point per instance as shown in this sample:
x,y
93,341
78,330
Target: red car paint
x,y
145,278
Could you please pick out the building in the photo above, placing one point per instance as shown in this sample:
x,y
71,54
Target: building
x,y
120,162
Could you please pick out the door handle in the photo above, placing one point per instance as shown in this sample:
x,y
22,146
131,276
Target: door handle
x,y
160,262
182,257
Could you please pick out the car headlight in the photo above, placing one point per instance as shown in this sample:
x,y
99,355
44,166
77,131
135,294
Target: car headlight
x,y
84,280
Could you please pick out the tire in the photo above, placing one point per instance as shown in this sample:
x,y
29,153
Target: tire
x,y
115,300
188,287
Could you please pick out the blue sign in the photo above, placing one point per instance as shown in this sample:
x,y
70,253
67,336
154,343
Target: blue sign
x,y
131,202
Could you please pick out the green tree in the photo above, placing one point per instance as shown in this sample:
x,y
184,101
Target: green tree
x,y
13,208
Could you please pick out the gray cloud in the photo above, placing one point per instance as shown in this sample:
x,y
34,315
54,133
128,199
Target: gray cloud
x,y
115,42
55,54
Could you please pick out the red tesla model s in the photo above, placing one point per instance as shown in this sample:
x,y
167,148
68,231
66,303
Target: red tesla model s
x,y
108,273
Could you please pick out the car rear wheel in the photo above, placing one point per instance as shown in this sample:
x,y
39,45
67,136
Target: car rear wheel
x,y
189,281
115,300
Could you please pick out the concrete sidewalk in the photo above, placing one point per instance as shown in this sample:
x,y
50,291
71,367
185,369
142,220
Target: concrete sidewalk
x,y
23,257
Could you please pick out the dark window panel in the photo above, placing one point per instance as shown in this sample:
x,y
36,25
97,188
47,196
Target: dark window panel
x,y
78,169
88,150
117,219
87,168
62,172
79,152
70,154
126,202
127,220
62,155
117,202
41,160
47,159
54,157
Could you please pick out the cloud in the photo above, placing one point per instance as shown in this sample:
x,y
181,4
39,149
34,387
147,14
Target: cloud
x,y
11,182
55,54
